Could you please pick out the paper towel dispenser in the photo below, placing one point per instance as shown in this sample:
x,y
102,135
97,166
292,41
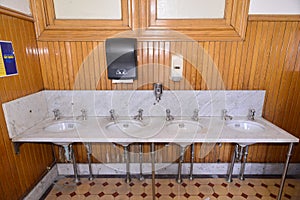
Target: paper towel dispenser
x,y
121,58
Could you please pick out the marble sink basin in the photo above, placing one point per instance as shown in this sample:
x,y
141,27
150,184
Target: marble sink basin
x,y
62,126
127,127
183,126
124,126
245,126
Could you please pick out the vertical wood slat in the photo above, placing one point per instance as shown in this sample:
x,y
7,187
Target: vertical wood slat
x,y
266,60
20,172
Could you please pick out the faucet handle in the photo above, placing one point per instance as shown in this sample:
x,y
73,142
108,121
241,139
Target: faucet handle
x,y
112,115
252,111
251,114
84,114
56,110
196,111
225,115
169,117
56,113
195,116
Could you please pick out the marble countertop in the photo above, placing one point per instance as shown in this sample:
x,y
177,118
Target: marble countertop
x,y
155,129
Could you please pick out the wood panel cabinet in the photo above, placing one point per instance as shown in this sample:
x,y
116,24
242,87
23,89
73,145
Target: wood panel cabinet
x,y
137,15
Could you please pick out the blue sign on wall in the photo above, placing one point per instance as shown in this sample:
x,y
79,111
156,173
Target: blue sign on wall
x,y
8,64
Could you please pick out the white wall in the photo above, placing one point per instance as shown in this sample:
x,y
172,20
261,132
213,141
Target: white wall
x,y
22,6
275,7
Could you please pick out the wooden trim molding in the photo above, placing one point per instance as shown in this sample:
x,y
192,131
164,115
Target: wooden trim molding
x,y
14,13
231,27
286,18
141,14
48,28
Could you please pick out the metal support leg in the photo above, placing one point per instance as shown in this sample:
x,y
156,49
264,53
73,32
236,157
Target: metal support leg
x,y
286,166
89,153
244,161
236,148
179,177
126,156
192,160
141,162
76,180
153,169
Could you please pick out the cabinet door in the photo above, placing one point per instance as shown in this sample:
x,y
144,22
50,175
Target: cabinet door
x,y
77,20
158,18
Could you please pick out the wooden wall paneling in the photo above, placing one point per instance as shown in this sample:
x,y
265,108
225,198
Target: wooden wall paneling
x,y
193,52
246,78
199,66
282,50
7,172
291,116
70,65
226,64
25,169
167,63
255,67
273,69
150,64
215,63
288,63
42,52
242,67
231,64
64,65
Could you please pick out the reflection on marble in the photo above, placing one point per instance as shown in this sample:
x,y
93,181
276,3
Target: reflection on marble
x,y
23,113
181,103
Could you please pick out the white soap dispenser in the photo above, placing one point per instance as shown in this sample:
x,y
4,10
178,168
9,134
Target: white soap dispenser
x,y
176,67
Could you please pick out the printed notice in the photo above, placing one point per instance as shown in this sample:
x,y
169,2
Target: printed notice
x,y
8,66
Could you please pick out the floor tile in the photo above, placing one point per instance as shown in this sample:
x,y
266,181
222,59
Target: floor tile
x,y
117,189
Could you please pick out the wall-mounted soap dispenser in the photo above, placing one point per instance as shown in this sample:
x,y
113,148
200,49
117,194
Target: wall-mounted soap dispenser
x,y
176,67
121,58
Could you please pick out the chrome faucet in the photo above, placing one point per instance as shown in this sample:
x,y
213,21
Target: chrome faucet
x,y
226,116
158,90
84,114
139,116
169,117
195,116
251,114
56,114
113,116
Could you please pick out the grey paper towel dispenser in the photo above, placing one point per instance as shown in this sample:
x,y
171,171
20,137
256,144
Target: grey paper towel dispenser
x,y
121,58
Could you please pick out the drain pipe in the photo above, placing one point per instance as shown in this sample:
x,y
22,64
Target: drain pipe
x,y
192,160
233,159
141,161
76,180
126,156
242,170
88,147
180,161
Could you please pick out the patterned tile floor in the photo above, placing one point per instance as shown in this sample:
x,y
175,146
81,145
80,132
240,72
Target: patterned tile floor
x,y
199,188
